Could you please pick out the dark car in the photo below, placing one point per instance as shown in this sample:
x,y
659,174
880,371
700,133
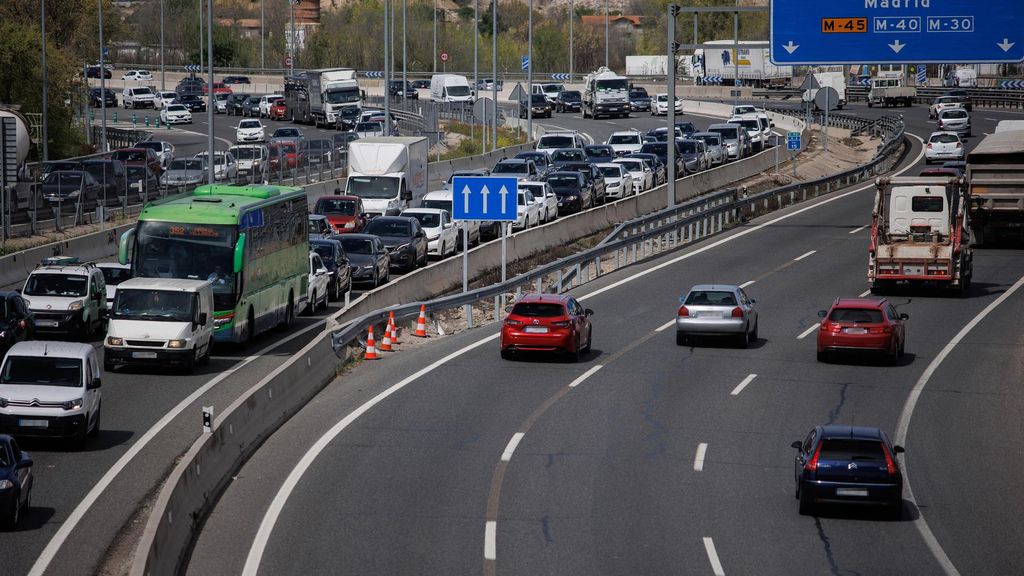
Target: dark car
x,y
956,165
547,323
287,134
236,80
862,324
369,260
961,96
348,117
421,84
15,482
54,165
333,255
639,99
848,465
345,214
564,155
660,134
318,150
568,101
235,103
192,86
599,153
341,141
573,192
193,102
251,106
142,180
540,159
539,104
593,175
395,88
16,321
654,163
93,71
139,157
110,174
404,238
96,102
660,149
69,186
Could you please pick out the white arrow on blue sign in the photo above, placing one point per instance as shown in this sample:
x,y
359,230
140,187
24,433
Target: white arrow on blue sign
x,y
484,198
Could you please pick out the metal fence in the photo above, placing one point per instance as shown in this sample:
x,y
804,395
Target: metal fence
x,y
982,97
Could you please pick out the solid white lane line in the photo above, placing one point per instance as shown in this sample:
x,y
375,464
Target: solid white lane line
x,y
744,232
908,412
739,388
802,256
490,536
665,326
864,293
716,564
259,544
747,283
855,230
58,539
585,375
511,447
698,460
807,332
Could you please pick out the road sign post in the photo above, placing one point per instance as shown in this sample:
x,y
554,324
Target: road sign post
x,y
484,199
793,144
807,32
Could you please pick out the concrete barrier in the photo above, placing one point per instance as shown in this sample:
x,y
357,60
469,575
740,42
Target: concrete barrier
x,y
14,268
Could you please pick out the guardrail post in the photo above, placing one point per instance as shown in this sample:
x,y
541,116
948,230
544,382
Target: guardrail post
x,y
538,285
497,308
597,267
634,254
576,278
558,282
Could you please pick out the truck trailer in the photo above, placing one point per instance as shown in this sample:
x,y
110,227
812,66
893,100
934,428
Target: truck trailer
x,y
995,169
722,58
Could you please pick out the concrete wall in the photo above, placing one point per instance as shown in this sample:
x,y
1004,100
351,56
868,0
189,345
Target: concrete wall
x,y
14,268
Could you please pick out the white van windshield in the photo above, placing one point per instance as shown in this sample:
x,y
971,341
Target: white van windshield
x,y
153,305
46,371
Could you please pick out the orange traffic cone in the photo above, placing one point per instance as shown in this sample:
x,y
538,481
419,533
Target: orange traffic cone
x,y
421,322
394,328
385,344
371,347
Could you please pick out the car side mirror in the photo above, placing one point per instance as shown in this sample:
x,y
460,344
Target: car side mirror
x,y
822,313
904,316
96,383
588,312
407,195
202,319
796,444
898,449
25,462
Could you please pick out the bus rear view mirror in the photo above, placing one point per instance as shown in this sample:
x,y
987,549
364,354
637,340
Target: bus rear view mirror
x,y
239,253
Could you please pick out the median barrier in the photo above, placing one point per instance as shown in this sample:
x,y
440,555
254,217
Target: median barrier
x,y
14,268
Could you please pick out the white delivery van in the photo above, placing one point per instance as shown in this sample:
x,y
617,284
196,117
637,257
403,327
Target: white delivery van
x,y
163,321
387,172
450,88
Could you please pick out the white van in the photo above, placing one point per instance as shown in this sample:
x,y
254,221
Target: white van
x,y
450,88
1009,125
160,321
50,389
66,297
138,97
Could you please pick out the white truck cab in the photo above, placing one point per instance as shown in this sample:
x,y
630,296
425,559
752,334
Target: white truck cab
x,y
66,296
164,321
50,389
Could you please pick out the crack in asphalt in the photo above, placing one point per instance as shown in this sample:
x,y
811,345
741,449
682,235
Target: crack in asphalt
x,y
833,414
546,526
826,542
656,437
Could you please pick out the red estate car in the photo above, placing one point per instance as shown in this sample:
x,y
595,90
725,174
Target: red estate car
x,y
218,88
139,157
866,324
284,156
345,214
547,323
277,109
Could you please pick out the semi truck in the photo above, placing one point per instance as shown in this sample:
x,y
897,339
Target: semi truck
x,y
387,172
605,93
722,58
834,80
891,91
323,97
920,234
995,169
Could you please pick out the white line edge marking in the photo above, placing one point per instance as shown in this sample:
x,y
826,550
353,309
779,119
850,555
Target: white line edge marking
x,y
739,388
908,412
513,443
259,544
807,332
490,537
62,534
747,283
864,293
698,460
746,231
716,564
855,230
665,326
802,256
585,375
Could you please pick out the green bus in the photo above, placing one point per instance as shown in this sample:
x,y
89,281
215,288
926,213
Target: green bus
x,y
249,241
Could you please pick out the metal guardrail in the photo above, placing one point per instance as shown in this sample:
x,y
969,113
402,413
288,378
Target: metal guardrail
x,y
981,97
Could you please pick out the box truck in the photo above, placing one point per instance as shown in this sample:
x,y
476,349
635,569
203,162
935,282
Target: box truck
x,y
835,80
387,172
720,58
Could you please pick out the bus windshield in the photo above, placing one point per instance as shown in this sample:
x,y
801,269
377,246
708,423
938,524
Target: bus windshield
x,y
188,251
373,187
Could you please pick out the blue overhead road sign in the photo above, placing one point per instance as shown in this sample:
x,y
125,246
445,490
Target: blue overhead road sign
x,y
896,31
484,198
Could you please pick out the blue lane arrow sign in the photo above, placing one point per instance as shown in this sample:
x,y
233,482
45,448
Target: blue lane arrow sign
x,y
809,32
484,198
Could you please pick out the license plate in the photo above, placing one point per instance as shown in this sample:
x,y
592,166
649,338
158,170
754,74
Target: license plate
x,y
913,270
47,323
143,354
855,330
34,423
536,329
851,492
709,314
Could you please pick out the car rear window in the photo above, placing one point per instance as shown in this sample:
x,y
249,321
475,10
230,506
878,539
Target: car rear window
x,y
845,450
711,298
927,204
943,139
538,310
865,315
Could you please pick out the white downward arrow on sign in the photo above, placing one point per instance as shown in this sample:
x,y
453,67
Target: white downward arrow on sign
x,y
484,192
1006,44
465,200
503,193
790,47
896,46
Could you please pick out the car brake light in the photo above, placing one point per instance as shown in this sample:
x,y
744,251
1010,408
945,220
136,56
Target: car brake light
x,y
512,322
890,466
683,311
929,145
561,324
959,145
812,464
737,312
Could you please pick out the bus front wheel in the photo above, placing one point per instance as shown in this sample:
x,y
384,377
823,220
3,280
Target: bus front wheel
x,y
250,328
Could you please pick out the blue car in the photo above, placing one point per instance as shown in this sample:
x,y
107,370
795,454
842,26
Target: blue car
x,y
848,465
15,482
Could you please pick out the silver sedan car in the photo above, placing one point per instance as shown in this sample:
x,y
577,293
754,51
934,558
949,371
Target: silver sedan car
x,y
717,310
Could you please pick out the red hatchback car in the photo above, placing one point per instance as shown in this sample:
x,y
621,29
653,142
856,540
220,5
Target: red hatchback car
x,y
278,109
547,323
864,324
345,214
139,157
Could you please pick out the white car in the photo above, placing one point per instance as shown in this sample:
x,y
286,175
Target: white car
x,y
442,199
250,131
252,159
660,106
113,274
527,210
944,146
943,103
545,196
319,280
627,142
618,183
220,102
753,127
175,114
643,176
442,234
225,167
137,75
265,102
164,98
742,109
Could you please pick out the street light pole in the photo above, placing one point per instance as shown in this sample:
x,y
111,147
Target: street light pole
x,y
103,92
572,16
163,78
291,42
494,74
200,32
435,36
46,84
529,76
405,54
606,33
263,36
387,71
476,64
670,135
209,90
